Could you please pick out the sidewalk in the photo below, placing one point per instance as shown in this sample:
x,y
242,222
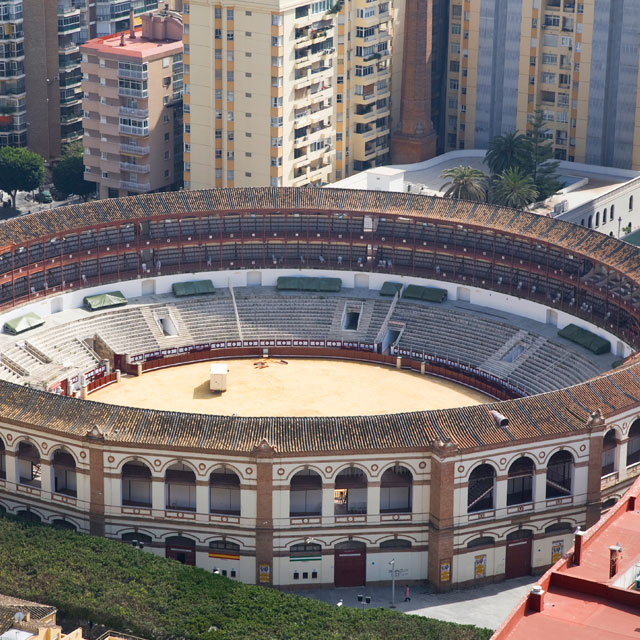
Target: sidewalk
x,y
485,606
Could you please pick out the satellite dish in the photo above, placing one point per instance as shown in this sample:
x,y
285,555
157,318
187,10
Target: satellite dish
x,y
19,617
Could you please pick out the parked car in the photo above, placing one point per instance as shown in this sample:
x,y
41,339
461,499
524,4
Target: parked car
x,y
43,196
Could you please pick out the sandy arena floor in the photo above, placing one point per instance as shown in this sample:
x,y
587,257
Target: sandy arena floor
x,y
299,388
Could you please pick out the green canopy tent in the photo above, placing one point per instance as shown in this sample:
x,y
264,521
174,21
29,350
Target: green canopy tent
x,y
195,288
105,301
23,323
390,288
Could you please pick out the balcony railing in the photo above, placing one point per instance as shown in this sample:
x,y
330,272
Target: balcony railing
x,y
135,186
134,149
132,74
133,131
136,113
132,93
135,168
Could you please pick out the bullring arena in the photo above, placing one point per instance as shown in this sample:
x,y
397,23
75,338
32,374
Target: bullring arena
x,y
544,435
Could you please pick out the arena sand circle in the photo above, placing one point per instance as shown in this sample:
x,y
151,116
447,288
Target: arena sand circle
x,y
291,387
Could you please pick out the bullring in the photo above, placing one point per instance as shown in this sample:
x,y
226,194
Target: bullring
x,y
454,496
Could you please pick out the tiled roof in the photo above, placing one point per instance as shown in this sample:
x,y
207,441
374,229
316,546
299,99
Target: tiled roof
x,y
544,415
10,606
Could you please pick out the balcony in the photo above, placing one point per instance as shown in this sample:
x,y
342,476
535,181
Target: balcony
x,y
133,149
135,186
136,113
69,47
130,130
135,168
128,92
75,98
132,74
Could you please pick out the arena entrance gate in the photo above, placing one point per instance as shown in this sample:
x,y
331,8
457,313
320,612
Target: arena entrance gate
x,y
350,564
518,554
181,549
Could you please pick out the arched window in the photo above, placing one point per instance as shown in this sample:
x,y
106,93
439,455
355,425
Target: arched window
x,y
224,492
396,543
582,222
630,203
305,494
28,465
350,493
633,446
181,549
396,488
520,534
180,487
64,473
481,488
482,541
137,539
28,516
64,524
520,481
559,475
3,461
604,216
559,527
609,443
607,504
590,222
613,206
136,484
597,219
225,545
303,551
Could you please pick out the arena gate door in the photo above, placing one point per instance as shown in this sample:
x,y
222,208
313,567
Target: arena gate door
x,y
181,549
518,554
350,564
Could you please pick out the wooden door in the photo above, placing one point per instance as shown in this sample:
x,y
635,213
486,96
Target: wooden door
x,y
350,567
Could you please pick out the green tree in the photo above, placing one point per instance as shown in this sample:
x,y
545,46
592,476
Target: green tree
x,y
68,177
513,188
511,150
465,183
20,170
543,170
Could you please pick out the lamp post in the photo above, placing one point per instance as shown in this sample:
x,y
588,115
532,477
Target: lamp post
x,y
393,583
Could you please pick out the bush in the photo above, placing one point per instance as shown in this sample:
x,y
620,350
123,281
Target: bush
x,y
116,585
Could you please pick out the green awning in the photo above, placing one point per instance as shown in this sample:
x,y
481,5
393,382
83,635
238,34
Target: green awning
x,y
105,300
23,323
390,288
298,283
195,288
585,339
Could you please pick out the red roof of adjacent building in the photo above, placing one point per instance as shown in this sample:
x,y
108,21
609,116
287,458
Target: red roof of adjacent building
x,y
581,600
141,48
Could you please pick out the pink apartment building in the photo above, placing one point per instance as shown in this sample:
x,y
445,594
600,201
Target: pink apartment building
x,y
132,108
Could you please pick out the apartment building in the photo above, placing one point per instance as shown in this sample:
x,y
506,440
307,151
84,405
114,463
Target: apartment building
x,y
132,108
577,60
288,92
40,76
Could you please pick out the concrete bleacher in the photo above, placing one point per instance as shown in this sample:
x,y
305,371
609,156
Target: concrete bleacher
x,y
539,361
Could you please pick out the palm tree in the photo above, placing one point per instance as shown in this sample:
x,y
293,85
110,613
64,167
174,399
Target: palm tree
x,y
465,183
512,188
508,151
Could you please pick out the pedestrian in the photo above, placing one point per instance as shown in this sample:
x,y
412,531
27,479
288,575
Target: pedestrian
x,y
407,598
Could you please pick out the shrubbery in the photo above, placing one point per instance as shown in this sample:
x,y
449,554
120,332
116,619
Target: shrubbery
x,y
111,583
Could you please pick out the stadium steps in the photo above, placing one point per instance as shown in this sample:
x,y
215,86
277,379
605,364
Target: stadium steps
x,y
33,365
336,332
152,314
10,375
499,367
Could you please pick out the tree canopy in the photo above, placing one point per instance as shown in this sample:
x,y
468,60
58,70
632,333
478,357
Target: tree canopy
x,y
20,170
465,183
513,188
68,176
508,151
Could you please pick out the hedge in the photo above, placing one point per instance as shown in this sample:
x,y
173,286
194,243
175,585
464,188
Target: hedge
x,y
121,587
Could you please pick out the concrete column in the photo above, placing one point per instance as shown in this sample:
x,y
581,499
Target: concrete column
x,y
202,496
11,465
540,488
441,508
373,502
46,479
621,459
327,501
157,493
264,513
501,492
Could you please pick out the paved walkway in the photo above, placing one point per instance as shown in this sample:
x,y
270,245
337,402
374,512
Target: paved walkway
x,y
485,606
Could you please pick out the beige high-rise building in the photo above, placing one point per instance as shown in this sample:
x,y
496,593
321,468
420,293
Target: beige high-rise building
x,y
132,108
578,61
289,92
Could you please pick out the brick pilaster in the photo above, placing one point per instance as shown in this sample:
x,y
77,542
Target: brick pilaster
x,y
264,510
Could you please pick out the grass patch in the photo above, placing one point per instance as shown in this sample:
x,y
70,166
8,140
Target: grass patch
x,y
114,584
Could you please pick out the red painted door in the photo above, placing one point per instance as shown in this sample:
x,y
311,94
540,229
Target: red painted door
x,y
518,560
350,567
